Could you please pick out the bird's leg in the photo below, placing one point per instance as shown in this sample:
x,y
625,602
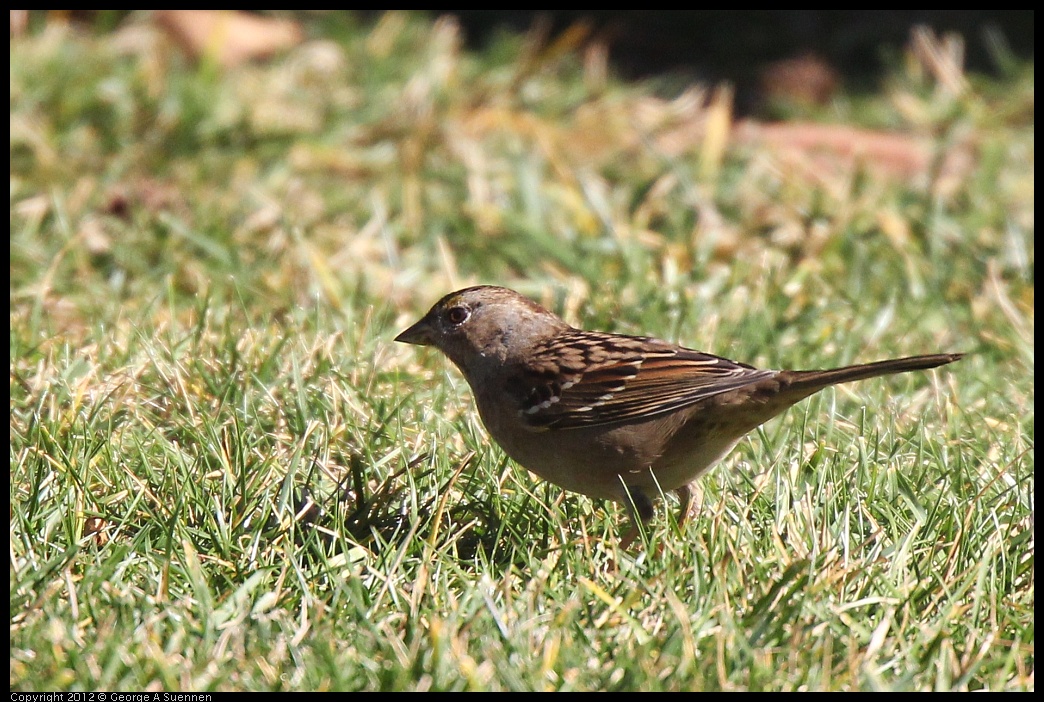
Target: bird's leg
x,y
684,494
642,510
688,496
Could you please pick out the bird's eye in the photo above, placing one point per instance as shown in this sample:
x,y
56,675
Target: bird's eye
x,y
457,315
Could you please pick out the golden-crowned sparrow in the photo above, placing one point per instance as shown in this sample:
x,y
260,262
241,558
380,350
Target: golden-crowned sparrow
x,y
608,415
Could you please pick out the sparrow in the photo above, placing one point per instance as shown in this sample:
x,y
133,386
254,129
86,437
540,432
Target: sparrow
x,y
624,418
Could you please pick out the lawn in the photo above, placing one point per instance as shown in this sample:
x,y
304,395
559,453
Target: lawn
x,y
225,475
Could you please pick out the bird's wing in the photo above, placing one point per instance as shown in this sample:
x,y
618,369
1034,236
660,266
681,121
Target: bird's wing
x,y
584,379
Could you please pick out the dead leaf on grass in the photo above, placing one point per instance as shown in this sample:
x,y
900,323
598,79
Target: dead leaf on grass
x,y
228,36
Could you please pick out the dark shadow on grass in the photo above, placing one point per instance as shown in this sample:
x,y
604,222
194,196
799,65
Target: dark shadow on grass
x,y
470,526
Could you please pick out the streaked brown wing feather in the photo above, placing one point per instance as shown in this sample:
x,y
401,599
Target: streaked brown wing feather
x,y
588,379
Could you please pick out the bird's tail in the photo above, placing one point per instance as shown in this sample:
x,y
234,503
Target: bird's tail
x,y
812,380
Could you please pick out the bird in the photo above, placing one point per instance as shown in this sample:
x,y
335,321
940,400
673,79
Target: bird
x,y
613,416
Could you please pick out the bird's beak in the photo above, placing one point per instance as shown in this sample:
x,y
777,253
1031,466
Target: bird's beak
x,y
419,334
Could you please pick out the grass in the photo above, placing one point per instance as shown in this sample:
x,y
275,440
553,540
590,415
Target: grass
x,y
226,476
